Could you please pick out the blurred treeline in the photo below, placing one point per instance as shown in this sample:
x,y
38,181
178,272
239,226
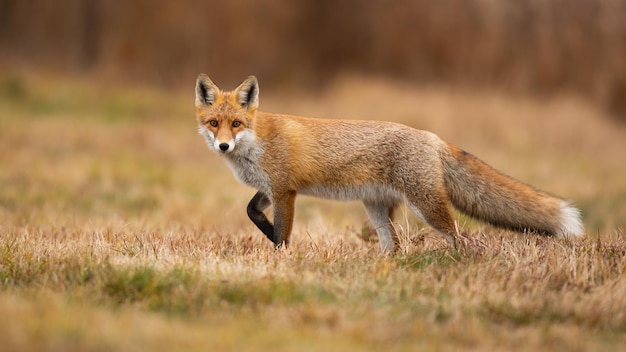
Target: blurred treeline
x,y
531,46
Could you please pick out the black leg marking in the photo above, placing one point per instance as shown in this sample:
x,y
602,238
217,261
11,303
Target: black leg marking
x,y
257,204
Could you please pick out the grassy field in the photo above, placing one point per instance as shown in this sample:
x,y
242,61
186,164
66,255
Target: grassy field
x,y
119,230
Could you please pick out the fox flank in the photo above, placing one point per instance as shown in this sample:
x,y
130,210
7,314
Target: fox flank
x,y
382,164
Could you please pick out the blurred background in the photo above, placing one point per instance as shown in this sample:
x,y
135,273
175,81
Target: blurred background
x,y
101,167
96,112
534,47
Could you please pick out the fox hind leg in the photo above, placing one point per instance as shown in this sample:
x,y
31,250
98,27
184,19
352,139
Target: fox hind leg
x,y
381,216
436,212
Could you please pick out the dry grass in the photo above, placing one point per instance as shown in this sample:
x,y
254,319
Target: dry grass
x,y
120,231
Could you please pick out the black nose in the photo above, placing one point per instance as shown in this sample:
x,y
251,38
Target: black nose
x,y
224,146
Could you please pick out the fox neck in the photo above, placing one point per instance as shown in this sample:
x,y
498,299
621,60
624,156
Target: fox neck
x,y
245,160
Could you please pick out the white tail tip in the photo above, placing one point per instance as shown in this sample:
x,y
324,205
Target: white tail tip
x,y
571,224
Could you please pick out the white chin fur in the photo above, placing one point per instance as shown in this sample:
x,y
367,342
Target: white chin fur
x,y
231,146
571,224
245,136
209,138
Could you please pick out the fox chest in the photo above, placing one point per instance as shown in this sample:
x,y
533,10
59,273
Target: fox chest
x,y
249,172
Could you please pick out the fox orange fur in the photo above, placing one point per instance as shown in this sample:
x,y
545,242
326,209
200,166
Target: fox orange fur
x,y
383,164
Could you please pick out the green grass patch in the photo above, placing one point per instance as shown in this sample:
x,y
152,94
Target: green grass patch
x,y
437,257
182,291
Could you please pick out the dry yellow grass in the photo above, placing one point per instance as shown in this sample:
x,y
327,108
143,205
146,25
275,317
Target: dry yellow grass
x,y
120,231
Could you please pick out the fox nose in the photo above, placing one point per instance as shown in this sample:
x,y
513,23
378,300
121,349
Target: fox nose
x,y
224,146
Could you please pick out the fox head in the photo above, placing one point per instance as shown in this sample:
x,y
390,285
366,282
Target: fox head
x,y
225,118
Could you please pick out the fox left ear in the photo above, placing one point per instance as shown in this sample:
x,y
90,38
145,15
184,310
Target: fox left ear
x,y
248,93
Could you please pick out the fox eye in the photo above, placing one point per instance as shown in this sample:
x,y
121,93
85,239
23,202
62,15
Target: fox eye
x,y
236,123
213,123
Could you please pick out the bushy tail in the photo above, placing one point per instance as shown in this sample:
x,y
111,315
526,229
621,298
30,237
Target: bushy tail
x,y
481,192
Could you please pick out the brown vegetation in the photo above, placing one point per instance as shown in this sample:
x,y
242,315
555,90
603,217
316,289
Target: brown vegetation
x,y
119,230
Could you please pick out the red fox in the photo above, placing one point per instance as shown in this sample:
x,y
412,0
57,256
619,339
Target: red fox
x,y
381,164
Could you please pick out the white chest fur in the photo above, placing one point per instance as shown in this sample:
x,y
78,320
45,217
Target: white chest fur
x,y
244,161
248,172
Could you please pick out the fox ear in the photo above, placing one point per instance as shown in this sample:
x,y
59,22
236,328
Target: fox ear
x,y
248,93
206,91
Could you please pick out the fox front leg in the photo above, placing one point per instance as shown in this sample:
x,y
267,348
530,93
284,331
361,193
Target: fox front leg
x,y
257,204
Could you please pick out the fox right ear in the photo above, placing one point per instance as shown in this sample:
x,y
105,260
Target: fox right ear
x,y
206,91
248,93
